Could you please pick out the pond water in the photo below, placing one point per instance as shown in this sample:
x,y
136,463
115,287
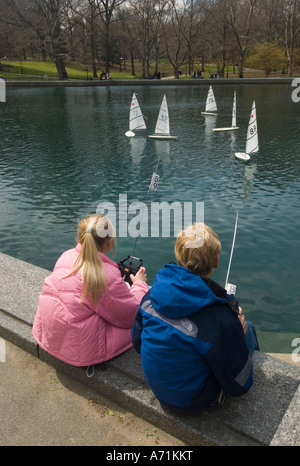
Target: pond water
x,y
63,151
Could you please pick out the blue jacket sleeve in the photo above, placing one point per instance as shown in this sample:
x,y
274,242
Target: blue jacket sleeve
x,y
137,331
230,361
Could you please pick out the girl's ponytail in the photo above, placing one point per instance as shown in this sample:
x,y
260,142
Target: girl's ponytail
x,y
89,261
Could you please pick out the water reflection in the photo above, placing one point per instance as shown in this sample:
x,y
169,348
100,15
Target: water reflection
x,y
137,146
210,122
163,151
249,175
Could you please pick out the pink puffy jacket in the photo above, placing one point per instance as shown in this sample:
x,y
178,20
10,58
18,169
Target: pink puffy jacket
x,y
78,332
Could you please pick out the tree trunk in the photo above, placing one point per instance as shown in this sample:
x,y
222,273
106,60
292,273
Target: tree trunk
x,y
106,47
61,70
242,40
93,50
241,65
132,63
176,72
291,63
143,68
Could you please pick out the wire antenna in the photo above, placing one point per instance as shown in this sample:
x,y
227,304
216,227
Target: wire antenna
x,y
146,200
232,248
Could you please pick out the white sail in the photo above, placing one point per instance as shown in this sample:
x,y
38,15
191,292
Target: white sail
x,y
162,128
162,124
252,134
233,120
211,105
136,119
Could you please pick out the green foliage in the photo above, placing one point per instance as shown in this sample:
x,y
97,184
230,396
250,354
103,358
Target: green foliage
x,y
268,57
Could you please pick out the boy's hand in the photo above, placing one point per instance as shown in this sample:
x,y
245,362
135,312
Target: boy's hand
x,y
243,320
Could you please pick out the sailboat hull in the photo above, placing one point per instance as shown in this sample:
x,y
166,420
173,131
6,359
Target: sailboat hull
x,y
209,113
242,156
232,128
130,134
162,136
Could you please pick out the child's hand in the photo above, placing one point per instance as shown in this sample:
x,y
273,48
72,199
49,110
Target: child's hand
x,y
243,320
140,275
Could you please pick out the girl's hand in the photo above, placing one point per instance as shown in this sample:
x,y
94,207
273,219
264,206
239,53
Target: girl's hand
x,y
139,276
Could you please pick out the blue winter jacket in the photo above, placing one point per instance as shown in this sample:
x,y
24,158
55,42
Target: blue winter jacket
x,y
191,341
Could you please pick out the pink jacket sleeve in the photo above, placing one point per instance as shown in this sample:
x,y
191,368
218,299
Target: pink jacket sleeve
x,y
120,305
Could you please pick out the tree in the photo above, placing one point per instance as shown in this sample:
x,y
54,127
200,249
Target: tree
x,y
195,14
146,28
215,31
241,13
90,15
128,20
47,19
292,31
270,21
107,10
267,56
174,38
223,39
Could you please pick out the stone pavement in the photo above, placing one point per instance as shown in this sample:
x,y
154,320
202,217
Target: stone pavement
x,y
41,406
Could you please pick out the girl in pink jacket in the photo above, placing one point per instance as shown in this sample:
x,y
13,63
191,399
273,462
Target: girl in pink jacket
x,y
86,311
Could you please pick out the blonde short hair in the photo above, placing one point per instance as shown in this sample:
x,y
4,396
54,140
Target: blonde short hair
x,y
197,248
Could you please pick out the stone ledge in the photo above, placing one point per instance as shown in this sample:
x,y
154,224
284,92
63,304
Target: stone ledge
x,y
267,415
149,82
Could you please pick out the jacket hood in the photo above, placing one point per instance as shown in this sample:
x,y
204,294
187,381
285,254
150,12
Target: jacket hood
x,y
178,292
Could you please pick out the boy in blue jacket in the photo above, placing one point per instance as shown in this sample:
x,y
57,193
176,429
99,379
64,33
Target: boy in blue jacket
x,y
193,338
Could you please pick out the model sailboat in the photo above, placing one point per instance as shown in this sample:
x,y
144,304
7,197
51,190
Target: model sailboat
x,y
252,137
211,105
233,121
136,119
162,128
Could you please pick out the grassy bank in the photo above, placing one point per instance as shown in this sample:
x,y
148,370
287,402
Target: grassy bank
x,y
46,70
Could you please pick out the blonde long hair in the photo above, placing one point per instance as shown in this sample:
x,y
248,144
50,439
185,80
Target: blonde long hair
x,y
93,233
